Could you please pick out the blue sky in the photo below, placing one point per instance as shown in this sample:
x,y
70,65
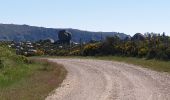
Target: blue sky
x,y
128,16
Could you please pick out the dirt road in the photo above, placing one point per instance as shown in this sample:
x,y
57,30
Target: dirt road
x,y
107,80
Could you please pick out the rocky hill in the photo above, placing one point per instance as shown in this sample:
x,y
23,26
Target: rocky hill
x,y
9,32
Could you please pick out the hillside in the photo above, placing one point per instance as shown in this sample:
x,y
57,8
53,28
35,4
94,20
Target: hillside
x,y
14,32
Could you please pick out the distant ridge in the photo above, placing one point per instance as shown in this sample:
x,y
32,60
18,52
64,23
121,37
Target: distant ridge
x,y
13,32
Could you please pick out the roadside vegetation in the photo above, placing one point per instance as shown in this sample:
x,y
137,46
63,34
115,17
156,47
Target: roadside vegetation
x,y
27,79
154,64
149,50
150,46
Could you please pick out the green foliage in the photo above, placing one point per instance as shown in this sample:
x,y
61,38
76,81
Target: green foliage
x,y
151,54
110,46
142,52
91,50
1,64
12,66
61,52
30,81
167,52
161,55
75,53
156,47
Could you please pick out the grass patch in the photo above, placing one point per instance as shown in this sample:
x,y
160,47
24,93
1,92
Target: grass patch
x,y
157,65
29,81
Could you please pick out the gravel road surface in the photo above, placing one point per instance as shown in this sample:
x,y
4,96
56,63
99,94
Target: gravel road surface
x,y
107,80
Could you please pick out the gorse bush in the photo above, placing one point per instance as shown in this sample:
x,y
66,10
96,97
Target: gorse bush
x,y
167,52
150,46
142,52
152,53
157,47
1,64
91,50
75,53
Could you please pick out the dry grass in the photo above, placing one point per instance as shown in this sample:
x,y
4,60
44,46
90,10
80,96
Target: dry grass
x,y
42,78
157,65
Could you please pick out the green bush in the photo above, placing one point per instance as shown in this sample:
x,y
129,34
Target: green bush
x,y
152,54
142,52
75,53
62,53
1,64
161,55
167,52
91,50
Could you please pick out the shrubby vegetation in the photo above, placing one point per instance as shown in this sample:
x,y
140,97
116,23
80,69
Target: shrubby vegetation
x,y
12,67
150,46
156,46
23,78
